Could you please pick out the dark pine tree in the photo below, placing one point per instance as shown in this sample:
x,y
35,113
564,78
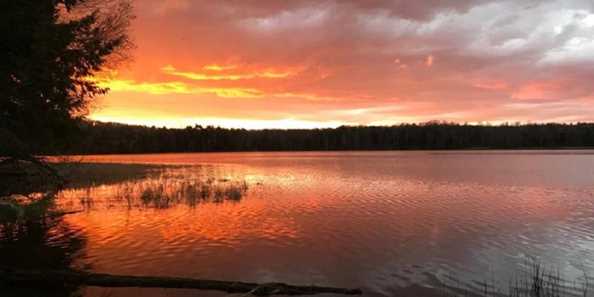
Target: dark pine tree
x,y
50,50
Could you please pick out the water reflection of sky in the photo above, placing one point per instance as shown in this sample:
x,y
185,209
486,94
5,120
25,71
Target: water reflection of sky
x,y
373,220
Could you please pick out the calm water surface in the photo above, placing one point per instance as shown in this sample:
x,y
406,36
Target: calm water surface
x,y
375,220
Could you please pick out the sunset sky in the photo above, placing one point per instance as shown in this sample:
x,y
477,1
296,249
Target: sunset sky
x,y
305,64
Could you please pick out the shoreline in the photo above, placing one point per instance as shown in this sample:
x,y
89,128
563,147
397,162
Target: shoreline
x,y
475,149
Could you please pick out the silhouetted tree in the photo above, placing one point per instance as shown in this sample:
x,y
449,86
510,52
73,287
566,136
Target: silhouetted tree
x,y
51,49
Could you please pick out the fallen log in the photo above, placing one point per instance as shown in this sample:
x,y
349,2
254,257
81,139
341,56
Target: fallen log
x,y
78,278
57,214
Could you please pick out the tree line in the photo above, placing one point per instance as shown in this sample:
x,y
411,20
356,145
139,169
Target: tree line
x,y
104,138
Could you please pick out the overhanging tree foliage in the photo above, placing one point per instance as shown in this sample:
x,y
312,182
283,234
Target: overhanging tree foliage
x,y
50,50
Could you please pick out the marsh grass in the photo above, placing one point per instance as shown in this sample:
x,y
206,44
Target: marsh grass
x,y
536,281
166,192
133,186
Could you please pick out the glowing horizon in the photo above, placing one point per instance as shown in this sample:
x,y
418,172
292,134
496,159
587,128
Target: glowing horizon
x,y
315,65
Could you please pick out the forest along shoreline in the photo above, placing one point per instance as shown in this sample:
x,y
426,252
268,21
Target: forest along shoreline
x,y
114,138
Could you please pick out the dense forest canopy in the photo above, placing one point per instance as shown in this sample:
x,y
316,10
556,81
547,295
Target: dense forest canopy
x,y
100,138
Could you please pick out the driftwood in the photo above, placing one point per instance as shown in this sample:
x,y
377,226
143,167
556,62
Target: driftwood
x,y
58,214
76,278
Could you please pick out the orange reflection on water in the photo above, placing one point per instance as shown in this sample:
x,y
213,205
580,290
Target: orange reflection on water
x,y
337,217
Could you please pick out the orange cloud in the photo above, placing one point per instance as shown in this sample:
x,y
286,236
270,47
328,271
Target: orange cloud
x,y
169,69
491,85
174,87
429,60
216,67
538,90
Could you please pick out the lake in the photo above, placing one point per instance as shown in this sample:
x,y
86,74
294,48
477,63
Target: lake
x,y
380,221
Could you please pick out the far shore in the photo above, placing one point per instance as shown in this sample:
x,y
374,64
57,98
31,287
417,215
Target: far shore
x,y
52,157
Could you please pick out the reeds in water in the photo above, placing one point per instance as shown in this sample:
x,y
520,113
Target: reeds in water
x,y
163,193
537,281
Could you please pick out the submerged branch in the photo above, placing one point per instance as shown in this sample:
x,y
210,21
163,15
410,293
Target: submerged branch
x,y
58,278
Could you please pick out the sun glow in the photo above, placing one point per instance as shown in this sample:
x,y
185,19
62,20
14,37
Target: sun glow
x,y
181,122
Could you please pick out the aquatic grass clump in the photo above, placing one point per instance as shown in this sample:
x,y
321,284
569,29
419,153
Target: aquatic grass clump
x,y
156,196
86,200
537,281
235,191
167,192
205,191
232,192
